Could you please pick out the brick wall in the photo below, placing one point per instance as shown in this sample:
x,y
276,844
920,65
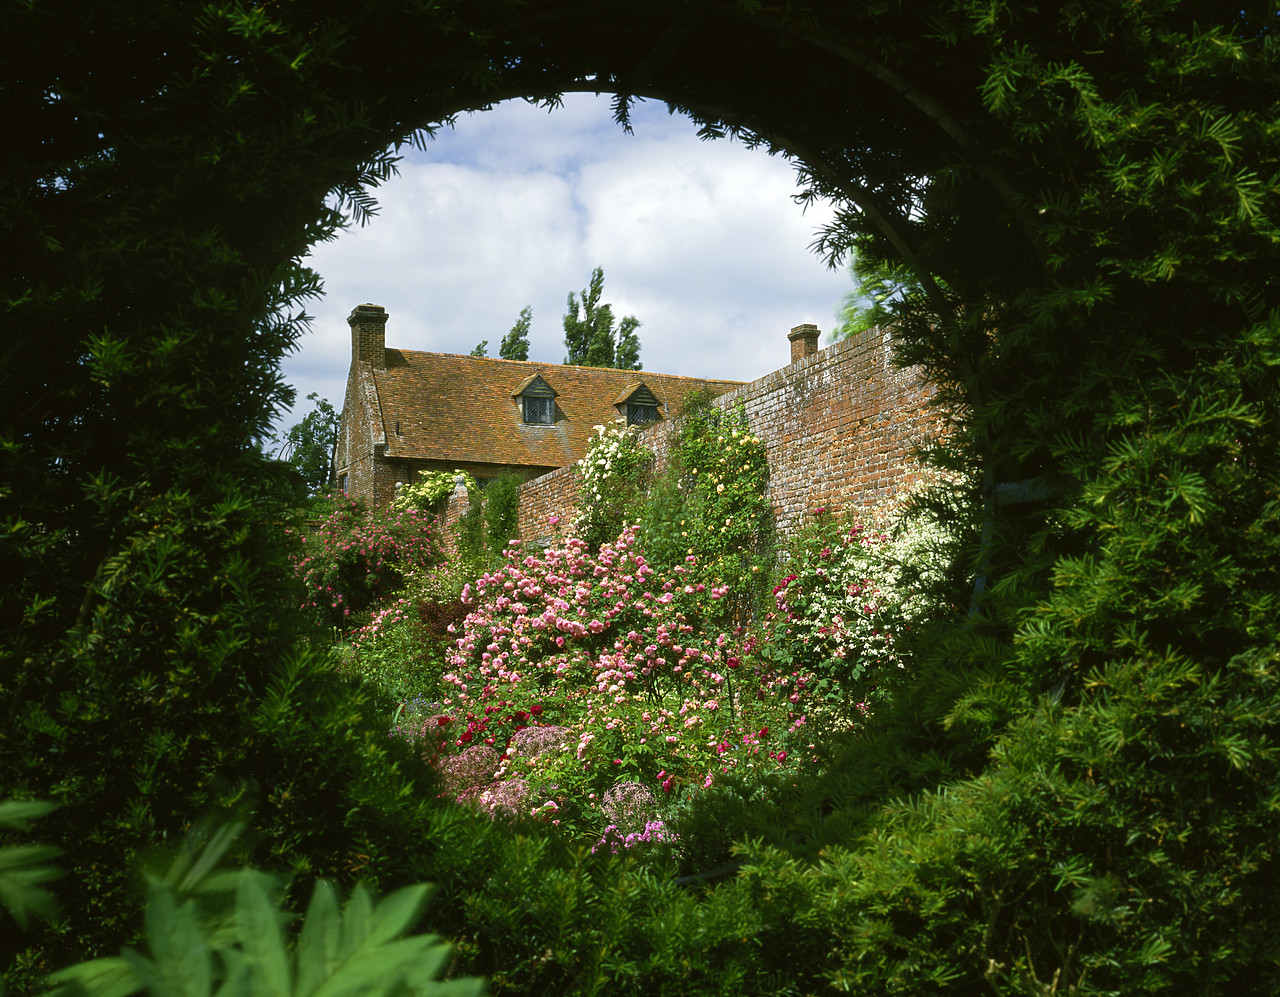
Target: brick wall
x,y
553,494
361,433
840,427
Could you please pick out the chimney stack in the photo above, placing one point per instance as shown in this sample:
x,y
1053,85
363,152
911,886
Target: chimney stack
x,y
369,335
804,341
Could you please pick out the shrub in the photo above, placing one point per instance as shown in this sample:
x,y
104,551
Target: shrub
x,y
354,557
501,512
401,651
611,475
712,505
619,661
431,488
850,597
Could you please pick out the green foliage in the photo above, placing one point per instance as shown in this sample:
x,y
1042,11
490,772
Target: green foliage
x,y
353,557
311,444
1110,849
470,539
515,344
589,333
481,349
868,305
502,511
712,506
854,598
490,522
402,652
430,488
1078,205
177,165
611,476
23,872
221,930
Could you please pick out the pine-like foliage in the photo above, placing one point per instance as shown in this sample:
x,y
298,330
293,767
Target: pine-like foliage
x,y
169,166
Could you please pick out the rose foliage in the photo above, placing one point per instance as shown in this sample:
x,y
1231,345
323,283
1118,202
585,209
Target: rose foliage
x,y
618,658
354,557
852,597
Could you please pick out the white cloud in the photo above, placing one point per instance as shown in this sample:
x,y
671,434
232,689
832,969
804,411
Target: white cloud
x,y
515,206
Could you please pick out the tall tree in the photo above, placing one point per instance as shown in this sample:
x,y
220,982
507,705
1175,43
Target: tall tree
x,y
515,344
589,333
877,285
311,444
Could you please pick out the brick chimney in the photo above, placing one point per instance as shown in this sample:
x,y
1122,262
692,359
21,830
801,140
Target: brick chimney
x,y
369,335
804,341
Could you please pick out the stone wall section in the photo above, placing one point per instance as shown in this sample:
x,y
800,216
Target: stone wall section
x,y
840,426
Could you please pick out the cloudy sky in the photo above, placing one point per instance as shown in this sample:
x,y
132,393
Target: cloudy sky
x,y
701,241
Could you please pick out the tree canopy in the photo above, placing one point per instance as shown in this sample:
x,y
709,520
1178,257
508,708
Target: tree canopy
x,y
590,335
515,344
1081,204
310,444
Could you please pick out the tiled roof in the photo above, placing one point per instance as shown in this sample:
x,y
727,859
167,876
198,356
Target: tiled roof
x,y
461,408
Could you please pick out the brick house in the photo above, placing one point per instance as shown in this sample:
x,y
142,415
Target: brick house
x,y
841,428
408,412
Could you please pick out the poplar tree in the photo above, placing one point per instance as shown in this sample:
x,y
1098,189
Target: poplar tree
x,y
515,344
590,335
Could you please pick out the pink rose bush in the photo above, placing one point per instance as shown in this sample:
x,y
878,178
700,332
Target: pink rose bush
x,y
587,672
354,558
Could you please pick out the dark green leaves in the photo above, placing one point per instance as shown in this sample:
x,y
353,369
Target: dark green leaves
x,y
197,949
23,868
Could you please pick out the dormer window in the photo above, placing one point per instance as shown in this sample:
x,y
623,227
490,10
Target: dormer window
x,y
537,401
638,405
641,415
539,411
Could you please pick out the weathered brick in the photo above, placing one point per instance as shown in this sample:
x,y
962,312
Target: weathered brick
x,y
840,429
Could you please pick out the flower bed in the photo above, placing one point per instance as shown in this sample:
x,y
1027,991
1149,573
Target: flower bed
x,y
615,662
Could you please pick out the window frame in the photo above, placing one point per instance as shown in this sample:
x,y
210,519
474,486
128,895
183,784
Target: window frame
x,y
634,409
546,406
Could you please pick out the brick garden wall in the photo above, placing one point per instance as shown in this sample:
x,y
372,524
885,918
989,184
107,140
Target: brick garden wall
x,y
840,427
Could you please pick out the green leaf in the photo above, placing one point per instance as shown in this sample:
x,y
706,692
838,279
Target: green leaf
x,y
16,815
258,923
395,913
189,871
21,876
357,918
319,941
111,977
378,968
182,961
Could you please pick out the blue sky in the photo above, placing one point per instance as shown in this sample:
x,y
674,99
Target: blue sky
x,y
699,240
